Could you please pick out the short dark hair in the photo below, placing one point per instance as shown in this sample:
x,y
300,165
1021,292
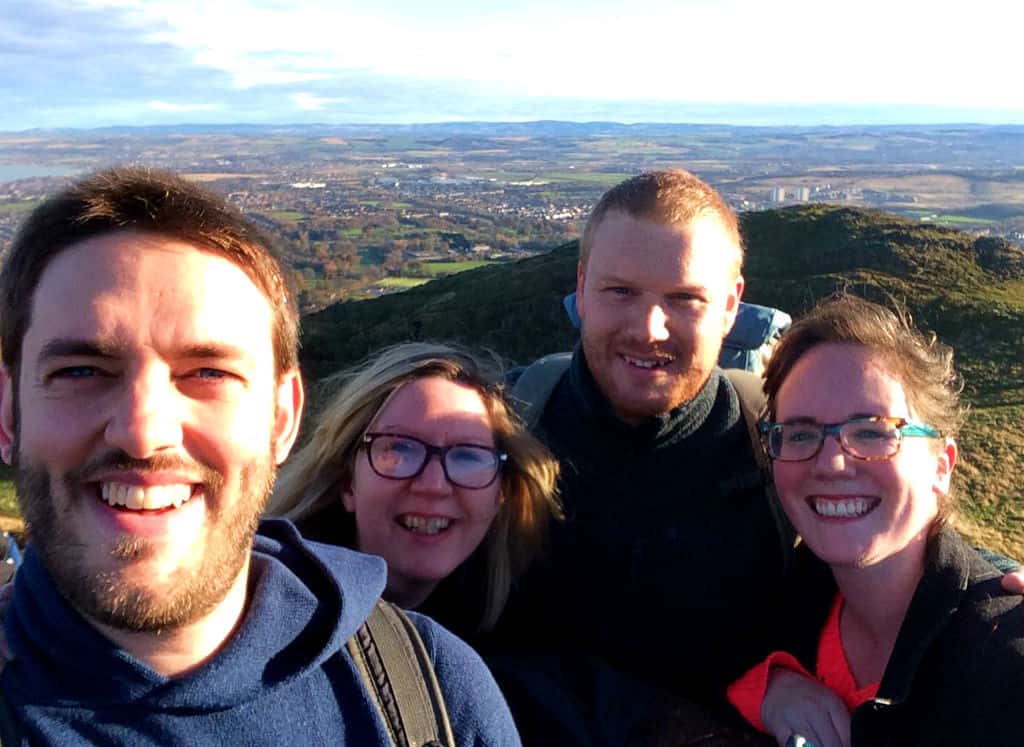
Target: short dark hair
x,y
922,363
149,201
673,197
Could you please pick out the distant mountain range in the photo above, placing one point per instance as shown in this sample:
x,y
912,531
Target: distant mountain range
x,y
969,290
536,128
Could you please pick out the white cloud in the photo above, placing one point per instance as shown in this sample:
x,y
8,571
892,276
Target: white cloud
x,y
689,50
169,106
311,102
396,60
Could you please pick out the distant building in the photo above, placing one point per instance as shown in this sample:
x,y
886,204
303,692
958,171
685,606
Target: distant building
x,y
778,194
803,194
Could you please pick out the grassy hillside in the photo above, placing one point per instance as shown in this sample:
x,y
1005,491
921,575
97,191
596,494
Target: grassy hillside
x,y
970,291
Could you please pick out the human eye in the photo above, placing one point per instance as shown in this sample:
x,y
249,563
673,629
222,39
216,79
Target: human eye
x,y
400,445
686,298
76,375
619,291
800,433
211,373
866,432
75,372
211,377
471,455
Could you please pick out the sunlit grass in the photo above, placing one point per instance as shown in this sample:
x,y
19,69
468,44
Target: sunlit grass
x,y
449,268
8,503
401,282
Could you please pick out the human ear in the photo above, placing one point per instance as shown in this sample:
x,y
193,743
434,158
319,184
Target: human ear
x,y
290,399
945,463
8,428
581,279
348,499
732,302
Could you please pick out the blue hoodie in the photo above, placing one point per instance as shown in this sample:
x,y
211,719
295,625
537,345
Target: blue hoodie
x,y
284,677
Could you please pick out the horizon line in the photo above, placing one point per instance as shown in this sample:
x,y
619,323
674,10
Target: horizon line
x,y
497,122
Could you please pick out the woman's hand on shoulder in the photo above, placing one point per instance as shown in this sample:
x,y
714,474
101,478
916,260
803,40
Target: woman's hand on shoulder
x,y
1013,581
796,705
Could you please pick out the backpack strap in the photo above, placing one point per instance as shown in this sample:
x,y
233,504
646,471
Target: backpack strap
x,y
533,388
10,729
752,403
397,671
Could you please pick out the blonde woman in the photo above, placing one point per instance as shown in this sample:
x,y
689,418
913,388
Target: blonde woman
x,y
417,458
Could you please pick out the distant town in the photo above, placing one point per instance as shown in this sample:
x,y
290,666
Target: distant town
x,y
364,210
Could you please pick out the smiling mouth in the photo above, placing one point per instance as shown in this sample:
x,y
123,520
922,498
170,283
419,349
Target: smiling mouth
x,y
649,363
848,508
144,498
424,524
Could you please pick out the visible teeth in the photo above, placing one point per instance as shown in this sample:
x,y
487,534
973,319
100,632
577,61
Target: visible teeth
x,y
137,497
643,363
847,508
424,524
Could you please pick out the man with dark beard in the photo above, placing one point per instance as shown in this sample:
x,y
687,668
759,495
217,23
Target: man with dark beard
x,y
149,389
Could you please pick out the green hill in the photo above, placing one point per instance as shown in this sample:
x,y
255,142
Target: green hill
x,y
968,290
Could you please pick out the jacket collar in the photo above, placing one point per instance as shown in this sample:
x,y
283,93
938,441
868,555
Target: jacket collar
x,y
947,574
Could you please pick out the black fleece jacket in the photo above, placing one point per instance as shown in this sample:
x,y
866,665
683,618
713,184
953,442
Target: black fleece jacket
x,y
669,568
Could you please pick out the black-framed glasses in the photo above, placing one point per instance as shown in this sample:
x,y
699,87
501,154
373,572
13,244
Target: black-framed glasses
x,y
872,439
396,456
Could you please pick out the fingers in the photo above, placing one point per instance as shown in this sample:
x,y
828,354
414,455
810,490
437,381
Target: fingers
x,y
801,711
840,720
1013,582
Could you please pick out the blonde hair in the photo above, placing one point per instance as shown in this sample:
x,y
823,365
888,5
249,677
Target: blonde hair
x,y
309,482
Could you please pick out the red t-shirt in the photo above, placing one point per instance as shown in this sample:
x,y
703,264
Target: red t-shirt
x,y
833,670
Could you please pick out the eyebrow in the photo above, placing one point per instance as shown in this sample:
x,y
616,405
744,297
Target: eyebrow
x,y
615,279
62,347
805,420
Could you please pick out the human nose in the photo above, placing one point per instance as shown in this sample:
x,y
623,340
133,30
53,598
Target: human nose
x,y
656,324
431,478
831,458
145,418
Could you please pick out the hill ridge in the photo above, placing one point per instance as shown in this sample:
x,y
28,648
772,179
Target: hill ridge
x,y
968,290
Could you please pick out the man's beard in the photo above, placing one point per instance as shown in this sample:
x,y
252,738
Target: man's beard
x,y
104,595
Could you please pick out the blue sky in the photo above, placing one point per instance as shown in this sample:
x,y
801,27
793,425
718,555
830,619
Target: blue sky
x,y
93,63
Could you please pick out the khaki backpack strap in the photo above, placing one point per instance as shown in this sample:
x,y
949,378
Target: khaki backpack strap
x,y
749,390
532,390
398,672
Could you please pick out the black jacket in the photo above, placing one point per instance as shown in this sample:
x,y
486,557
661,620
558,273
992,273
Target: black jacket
x,y
668,569
956,674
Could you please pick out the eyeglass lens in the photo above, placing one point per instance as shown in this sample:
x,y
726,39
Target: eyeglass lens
x,y
865,439
402,457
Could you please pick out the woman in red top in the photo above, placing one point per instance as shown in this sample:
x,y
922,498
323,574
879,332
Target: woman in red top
x,y
862,413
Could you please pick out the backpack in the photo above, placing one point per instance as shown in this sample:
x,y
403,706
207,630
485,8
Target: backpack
x,y
395,669
753,336
536,383
750,342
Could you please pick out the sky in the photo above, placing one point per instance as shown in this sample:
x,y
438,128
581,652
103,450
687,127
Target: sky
x,y
95,63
